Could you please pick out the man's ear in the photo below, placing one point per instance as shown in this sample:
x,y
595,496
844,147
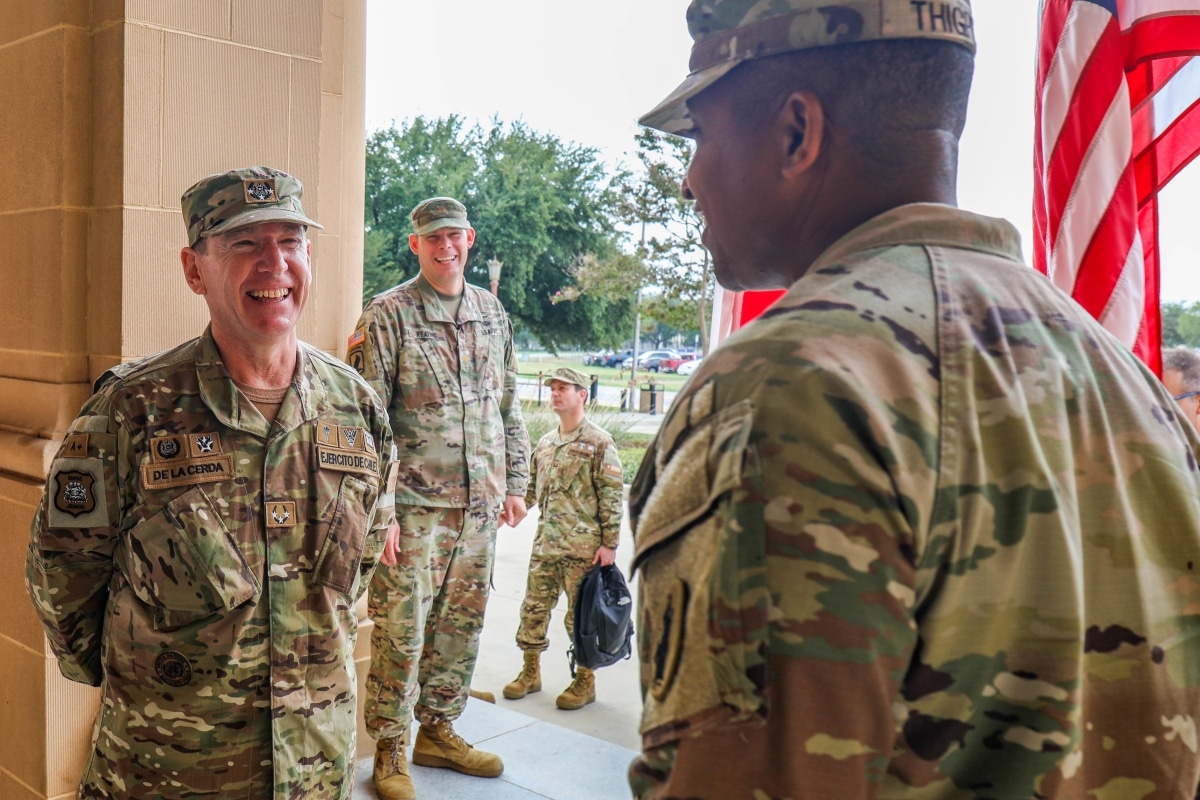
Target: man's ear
x,y
802,124
412,243
191,270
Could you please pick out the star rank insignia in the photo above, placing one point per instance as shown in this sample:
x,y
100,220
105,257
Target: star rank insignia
x,y
281,514
259,190
204,444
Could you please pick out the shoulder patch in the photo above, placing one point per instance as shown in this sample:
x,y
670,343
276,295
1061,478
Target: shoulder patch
x,y
359,354
78,496
612,469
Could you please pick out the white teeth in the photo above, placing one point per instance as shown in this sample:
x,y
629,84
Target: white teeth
x,y
444,260
270,294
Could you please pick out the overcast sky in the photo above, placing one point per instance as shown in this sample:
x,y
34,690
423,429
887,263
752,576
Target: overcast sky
x,y
586,71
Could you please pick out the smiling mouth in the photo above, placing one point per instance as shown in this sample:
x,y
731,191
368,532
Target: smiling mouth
x,y
449,260
266,295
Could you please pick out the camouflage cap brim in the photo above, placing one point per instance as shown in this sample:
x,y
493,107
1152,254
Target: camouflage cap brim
x,y
671,115
445,222
259,216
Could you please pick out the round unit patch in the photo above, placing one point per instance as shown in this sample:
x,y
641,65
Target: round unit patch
x,y
173,668
168,448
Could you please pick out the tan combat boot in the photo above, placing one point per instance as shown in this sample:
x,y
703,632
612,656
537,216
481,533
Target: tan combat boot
x,y
530,679
391,770
439,746
581,691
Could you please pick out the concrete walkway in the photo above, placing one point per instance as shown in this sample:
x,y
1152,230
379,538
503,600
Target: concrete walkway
x,y
549,754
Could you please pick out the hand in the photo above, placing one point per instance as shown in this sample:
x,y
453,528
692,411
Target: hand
x,y
391,546
605,556
513,511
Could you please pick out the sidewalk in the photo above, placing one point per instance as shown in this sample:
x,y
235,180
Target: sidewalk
x,y
549,754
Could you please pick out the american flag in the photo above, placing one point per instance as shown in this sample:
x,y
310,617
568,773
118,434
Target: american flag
x,y
1117,116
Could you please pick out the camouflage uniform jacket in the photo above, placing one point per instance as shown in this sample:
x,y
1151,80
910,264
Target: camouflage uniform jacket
x,y
203,570
451,392
924,530
577,483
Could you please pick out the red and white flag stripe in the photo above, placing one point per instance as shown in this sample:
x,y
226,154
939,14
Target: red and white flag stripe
x,y
1117,118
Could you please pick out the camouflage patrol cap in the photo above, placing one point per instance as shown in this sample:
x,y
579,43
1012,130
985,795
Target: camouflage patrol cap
x,y
437,213
568,375
239,198
729,32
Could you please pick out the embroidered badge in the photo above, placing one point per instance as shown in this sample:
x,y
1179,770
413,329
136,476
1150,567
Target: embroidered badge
x,y
328,433
350,435
612,469
173,668
281,514
204,444
75,495
166,448
188,472
76,446
370,440
343,461
670,642
259,190
358,353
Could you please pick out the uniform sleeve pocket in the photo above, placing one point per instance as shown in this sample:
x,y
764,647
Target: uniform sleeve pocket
x,y
346,536
184,562
704,597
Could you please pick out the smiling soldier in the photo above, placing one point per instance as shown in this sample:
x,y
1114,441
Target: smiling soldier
x,y
440,353
208,524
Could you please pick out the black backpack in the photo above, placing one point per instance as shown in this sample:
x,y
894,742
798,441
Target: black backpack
x,y
603,620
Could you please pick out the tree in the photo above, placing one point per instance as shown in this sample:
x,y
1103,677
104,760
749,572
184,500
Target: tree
x,y
1181,324
671,261
537,204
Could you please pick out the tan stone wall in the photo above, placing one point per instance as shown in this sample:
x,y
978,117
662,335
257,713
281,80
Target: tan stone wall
x,y
111,108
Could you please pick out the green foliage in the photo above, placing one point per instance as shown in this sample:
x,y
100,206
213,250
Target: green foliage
x,y
537,204
671,260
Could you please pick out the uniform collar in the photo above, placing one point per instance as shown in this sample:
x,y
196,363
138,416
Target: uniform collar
x,y
304,401
567,438
929,225
468,311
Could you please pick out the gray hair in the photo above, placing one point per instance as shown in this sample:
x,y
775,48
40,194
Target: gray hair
x,y
1185,361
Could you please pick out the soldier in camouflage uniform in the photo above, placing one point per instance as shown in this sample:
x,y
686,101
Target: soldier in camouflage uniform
x,y
925,529
208,525
576,480
440,353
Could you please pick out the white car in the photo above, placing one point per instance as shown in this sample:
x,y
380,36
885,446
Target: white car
x,y
688,367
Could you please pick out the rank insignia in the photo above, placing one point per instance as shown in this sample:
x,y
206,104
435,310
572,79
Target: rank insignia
x,y
259,190
75,495
173,668
327,433
281,514
350,438
204,444
370,440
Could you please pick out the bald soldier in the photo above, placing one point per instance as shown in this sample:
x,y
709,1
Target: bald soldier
x,y
924,530
208,524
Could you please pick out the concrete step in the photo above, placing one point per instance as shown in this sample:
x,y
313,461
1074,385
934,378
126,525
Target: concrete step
x,y
542,761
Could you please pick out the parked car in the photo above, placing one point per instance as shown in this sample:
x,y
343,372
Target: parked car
x,y
673,364
688,367
596,359
618,358
644,359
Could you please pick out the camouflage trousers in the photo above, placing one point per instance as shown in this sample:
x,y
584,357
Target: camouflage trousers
x,y
428,613
549,577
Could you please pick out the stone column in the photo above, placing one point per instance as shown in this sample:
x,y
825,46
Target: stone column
x,y
109,109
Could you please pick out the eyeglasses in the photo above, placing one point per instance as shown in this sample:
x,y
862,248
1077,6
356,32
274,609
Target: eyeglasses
x,y
1186,395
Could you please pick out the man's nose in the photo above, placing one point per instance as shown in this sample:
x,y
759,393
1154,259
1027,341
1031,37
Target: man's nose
x,y
686,190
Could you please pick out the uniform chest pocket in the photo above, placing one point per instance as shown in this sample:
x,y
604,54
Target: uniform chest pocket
x,y
704,601
184,563
421,372
568,470
344,520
